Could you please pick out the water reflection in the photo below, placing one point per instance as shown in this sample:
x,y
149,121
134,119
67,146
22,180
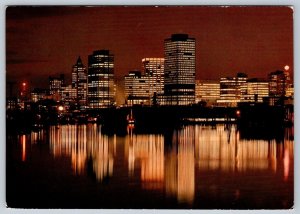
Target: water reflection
x,y
149,151
167,162
87,147
180,165
23,142
216,151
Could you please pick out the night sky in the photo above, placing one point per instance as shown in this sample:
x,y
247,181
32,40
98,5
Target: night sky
x,y
43,41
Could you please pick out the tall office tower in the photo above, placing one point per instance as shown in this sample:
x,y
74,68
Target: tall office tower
x,y
230,89
254,90
278,83
101,88
56,83
154,72
136,88
179,70
79,83
207,91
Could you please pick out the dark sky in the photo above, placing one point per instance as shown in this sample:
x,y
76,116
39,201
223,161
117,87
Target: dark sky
x,y
43,41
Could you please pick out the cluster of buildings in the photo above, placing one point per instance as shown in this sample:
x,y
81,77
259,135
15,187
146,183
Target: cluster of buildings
x,y
229,91
171,81
162,81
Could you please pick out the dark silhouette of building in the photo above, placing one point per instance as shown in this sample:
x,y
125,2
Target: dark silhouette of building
x,y
278,83
38,94
56,84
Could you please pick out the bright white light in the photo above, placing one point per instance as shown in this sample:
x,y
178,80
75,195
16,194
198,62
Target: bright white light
x,y
286,67
60,108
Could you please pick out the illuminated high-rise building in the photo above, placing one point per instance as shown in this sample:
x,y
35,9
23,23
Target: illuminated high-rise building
x,y
230,89
154,72
101,88
207,91
179,70
136,88
79,83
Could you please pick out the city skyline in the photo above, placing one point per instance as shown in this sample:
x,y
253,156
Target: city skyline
x,y
150,107
227,38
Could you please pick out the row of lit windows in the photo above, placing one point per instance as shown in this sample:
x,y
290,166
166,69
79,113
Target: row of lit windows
x,y
103,64
105,75
98,84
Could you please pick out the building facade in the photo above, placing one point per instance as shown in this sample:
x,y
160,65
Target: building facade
x,y
136,88
154,72
254,90
101,88
279,82
79,83
290,91
207,91
230,89
179,70
68,97
56,84
38,94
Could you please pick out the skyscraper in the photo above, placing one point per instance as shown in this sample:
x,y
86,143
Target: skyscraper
x,y
79,82
180,55
154,73
101,88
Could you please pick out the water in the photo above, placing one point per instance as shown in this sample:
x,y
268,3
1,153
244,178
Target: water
x,y
198,167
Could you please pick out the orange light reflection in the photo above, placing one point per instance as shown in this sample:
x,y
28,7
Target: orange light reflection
x,y
23,139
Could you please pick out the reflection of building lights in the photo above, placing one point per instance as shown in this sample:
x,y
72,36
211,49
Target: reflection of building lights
x,y
149,150
213,151
23,147
286,164
180,166
83,143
